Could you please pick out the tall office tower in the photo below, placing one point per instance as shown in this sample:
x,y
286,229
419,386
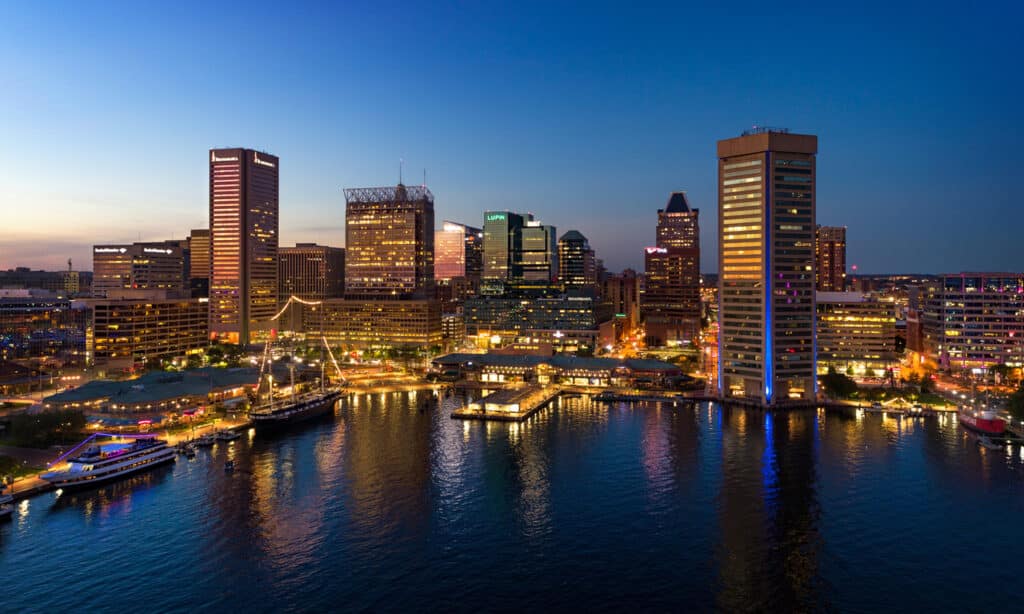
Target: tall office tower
x,y
311,272
502,240
622,291
243,243
766,221
139,266
537,258
830,253
457,251
575,261
671,308
199,268
389,241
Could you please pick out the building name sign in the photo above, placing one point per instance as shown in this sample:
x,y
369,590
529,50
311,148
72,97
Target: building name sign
x,y
157,250
495,217
257,160
214,158
656,250
109,250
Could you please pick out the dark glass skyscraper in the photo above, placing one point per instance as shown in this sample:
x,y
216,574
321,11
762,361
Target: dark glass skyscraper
x,y
830,250
243,243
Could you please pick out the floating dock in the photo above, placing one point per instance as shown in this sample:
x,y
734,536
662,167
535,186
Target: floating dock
x,y
509,405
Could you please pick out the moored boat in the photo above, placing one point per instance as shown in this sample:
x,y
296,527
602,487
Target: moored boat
x,y
103,463
6,506
982,421
226,435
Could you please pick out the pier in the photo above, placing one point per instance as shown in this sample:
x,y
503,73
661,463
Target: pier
x,y
509,405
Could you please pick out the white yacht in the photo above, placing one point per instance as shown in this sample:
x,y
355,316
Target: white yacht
x,y
103,463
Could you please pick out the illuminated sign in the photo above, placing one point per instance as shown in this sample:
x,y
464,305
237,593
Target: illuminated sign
x,y
257,160
109,250
155,250
452,227
495,217
214,158
656,250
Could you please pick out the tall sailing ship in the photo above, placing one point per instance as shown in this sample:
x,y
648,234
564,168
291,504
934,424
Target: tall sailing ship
x,y
277,411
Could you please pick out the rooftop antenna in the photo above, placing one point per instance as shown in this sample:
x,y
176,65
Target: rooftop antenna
x,y
424,177
400,163
69,265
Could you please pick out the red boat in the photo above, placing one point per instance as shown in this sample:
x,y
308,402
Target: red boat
x,y
984,421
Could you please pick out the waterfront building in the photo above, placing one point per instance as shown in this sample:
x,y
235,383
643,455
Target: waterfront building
x,y
375,323
199,263
494,367
458,252
389,242
576,266
129,328
766,221
139,266
622,292
570,323
830,253
671,307
244,200
974,320
311,272
856,333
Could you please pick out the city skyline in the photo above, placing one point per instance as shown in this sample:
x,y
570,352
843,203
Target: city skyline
x,y
611,119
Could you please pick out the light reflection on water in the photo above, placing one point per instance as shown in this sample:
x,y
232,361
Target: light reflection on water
x,y
391,504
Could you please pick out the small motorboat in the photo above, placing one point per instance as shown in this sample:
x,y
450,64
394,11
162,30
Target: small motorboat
x,y
987,443
205,441
226,435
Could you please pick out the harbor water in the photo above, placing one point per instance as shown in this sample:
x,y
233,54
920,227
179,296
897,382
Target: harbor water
x,y
392,505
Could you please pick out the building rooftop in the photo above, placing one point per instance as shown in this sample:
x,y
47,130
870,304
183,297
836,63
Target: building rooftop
x,y
677,203
561,361
573,235
157,386
393,194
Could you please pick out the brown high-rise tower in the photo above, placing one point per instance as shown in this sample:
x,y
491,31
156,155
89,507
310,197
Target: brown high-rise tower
x,y
243,243
830,253
671,303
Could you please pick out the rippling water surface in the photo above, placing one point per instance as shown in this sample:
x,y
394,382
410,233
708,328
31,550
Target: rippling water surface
x,y
585,506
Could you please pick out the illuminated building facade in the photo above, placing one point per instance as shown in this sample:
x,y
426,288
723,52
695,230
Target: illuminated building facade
x,y
856,333
389,238
311,272
129,328
373,323
622,292
576,266
766,221
569,323
139,266
671,304
244,189
974,320
458,252
502,241
36,323
199,263
537,256
830,254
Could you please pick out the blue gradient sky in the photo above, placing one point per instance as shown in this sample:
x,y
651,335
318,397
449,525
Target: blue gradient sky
x,y
587,115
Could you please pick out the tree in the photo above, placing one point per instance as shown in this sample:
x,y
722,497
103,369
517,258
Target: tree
x,y
1015,404
838,386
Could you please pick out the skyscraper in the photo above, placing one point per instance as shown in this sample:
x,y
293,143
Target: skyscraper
x,y
502,240
199,273
766,221
311,272
389,242
537,256
458,251
671,303
243,243
575,260
139,266
830,254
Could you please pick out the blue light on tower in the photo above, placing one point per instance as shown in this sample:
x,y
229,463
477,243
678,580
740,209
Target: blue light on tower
x,y
768,281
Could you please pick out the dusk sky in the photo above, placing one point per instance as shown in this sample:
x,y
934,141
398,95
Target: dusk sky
x,y
587,115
